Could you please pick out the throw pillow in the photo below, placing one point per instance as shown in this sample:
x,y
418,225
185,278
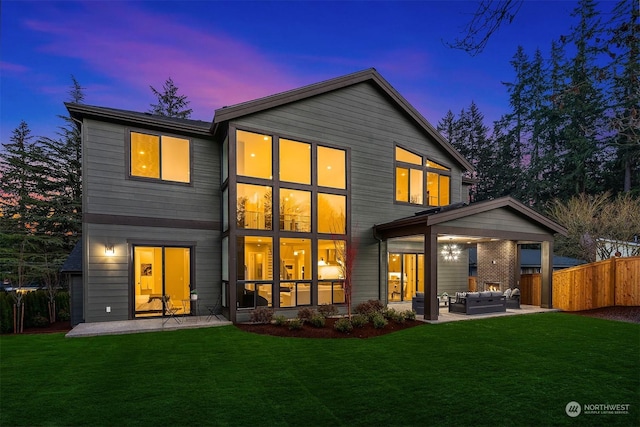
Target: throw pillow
x,y
515,292
507,293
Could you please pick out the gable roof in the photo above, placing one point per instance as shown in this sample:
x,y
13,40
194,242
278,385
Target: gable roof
x,y
225,114
73,263
134,118
443,214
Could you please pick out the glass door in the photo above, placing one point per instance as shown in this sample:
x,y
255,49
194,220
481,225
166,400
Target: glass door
x,y
406,272
162,280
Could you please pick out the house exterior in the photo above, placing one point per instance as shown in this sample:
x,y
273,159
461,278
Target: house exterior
x,y
263,206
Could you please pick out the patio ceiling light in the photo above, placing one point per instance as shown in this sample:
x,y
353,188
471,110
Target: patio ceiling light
x,y
450,252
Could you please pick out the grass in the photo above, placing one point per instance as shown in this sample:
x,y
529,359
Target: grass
x,y
516,370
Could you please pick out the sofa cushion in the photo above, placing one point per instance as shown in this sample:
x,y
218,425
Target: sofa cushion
x,y
496,294
486,294
473,294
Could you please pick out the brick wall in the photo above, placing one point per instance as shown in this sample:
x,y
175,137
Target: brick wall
x,y
497,263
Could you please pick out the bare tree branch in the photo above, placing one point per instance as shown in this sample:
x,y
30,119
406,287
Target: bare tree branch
x,y
486,20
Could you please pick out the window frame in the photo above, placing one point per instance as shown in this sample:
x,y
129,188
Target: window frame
x,y
278,186
424,169
160,135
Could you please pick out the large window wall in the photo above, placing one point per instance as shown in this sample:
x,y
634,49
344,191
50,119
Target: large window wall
x,y
290,230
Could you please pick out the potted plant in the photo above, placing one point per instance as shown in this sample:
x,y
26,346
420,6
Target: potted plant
x,y
194,295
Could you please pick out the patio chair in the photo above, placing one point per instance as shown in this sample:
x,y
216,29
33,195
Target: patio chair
x,y
170,310
215,309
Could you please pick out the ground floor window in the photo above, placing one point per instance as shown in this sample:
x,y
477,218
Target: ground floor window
x,y
290,276
161,280
406,271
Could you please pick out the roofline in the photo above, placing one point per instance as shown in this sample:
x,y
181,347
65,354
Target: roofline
x,y
229,113
194,127
476,208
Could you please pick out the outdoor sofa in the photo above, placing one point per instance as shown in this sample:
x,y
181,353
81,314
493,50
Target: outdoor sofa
x,y
478,302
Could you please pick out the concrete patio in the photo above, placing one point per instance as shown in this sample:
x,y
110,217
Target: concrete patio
x,y
444,316
145,325
191,322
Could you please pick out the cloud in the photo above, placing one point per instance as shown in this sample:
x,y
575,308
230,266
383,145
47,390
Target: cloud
x,y
138,49
7,67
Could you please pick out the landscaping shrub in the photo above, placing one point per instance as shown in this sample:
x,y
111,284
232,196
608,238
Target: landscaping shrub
x,y
36,304
295,324
369,308
379,321
395,315
280,320
359,320
343,325
306,313
262,315
6,313
38,321
63,302
328,310
63,315
410,315
317,320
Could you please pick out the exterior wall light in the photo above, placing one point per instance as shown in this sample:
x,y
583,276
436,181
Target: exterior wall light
x,y
109,250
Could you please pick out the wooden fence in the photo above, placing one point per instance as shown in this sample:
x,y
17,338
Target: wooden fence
x,y
611,282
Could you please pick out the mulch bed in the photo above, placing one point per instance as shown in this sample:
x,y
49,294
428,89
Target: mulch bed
x,y
328,331
622,314
50,328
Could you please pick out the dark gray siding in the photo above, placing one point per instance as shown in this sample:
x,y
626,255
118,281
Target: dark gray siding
x,y
360,118
107,279
107,191
498,219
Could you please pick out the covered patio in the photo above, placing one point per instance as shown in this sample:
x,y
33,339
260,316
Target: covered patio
x,y
498,228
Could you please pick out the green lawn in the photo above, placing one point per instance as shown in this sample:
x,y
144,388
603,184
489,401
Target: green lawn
x,y
517,370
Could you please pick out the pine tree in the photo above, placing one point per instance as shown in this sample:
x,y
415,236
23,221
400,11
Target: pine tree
x,y
63,157
25,206
623,47
170,104
584,105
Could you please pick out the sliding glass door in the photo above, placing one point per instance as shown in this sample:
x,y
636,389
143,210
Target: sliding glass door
x,y
162,280
405,276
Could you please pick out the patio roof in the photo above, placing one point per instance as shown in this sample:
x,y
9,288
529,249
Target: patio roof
x,y
440,215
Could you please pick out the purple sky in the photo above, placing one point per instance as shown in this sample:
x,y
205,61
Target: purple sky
x,y
222,53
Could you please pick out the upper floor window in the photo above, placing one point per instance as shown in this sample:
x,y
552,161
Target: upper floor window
x,y
253,156
438,184
411,186
331,168
295,161
160,157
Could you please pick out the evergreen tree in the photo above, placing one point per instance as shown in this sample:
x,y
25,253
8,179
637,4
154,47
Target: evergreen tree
x,y
170,104
584,106
468,135
64,163
623,48
24,202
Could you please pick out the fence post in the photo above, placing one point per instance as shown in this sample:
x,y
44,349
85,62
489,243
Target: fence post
x,y
613,280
